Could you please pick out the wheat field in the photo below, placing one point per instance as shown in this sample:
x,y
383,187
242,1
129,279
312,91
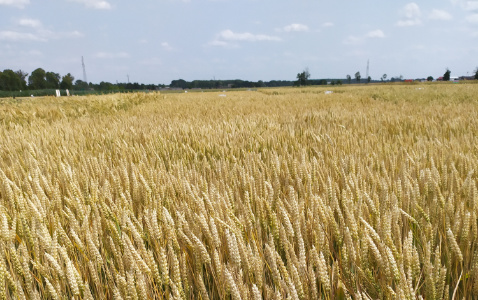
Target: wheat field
x,y
366,193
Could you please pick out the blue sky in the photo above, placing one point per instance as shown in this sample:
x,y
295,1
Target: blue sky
x,y
156,41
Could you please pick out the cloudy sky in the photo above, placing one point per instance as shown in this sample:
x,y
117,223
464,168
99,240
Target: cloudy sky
x,y
156,41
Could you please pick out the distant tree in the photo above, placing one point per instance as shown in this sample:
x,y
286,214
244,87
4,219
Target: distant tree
x,y
52,80
384,77
476,74
339,82
446,76
180,83
80,85
302,78
357,77
430,78
23,78
67,82
37,80
396,78
106,86
349,79
9,81
369,79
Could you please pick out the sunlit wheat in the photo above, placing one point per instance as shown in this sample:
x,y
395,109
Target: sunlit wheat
x,y
364,193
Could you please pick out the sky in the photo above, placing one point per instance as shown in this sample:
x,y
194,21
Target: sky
x,y
156,41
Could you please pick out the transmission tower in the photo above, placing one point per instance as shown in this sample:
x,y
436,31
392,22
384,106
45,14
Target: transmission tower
x,y
84,70
368,65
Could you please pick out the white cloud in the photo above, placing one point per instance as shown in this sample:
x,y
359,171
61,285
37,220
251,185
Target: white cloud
x,y
71,34
471,6
228,39
30,23
411,10
110,55
355,40
33,30
473,18
407,23
166,46
229,35
410,15
441,15
19,36
296,27
217,43
15,3
466,5
376,34
328,24
95,4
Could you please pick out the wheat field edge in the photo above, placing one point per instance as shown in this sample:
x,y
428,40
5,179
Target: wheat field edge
x,y
369,192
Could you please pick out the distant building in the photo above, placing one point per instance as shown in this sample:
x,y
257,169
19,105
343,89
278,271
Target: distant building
x,y
170,89
454,79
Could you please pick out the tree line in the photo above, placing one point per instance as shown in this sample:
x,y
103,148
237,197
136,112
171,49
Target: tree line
x,y
237,83
39,79
218,84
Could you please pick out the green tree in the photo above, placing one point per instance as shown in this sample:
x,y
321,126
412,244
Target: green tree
x,y
81,85
107,86
179,83
369,79
52,80
430,78
37,80
349,79
384,77
446,76
302,78
476,74
9,81
67,82
357,77
23,78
